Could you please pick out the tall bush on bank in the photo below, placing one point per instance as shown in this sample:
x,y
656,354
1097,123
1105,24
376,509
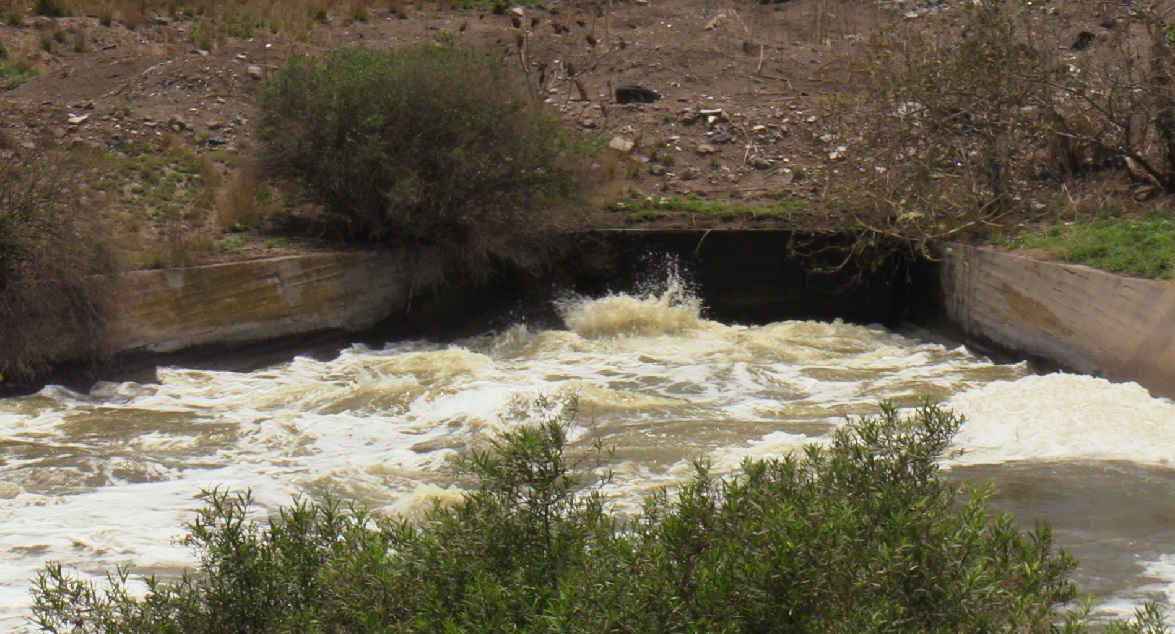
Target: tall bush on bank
x,y
859,536
943,140
421,146
54,297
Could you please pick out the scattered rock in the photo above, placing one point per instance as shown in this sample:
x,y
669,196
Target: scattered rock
x,y
78,119
758,162
722,137
59,133
621,144
715,22
706,148
636,94
1145,193
254,71
1083,41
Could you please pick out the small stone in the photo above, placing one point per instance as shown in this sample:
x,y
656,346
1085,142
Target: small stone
x,y
621,144
59,133
715,23
78,119
254,71
758,162
518,11
213,124
202,53
706,148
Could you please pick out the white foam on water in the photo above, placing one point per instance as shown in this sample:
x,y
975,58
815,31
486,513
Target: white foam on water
x,y
1064,417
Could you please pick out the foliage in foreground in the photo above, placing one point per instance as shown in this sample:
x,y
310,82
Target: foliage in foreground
x,y
402,147
859,536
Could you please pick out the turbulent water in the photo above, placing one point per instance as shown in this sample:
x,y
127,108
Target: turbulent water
x,y
106,478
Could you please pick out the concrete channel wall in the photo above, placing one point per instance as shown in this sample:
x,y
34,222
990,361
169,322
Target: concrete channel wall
x,y
1079,318
256,300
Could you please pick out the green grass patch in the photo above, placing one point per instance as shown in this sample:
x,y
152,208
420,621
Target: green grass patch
x,y
643,209
13,74
1143,248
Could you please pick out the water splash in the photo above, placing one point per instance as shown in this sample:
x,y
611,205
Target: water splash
x,y
664,303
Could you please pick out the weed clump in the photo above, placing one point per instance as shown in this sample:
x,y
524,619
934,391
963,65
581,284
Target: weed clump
x,y
405,147
859,536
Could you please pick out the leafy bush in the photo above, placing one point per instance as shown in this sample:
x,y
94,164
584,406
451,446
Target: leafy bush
x,y
53,298
860,536
51,8
430,145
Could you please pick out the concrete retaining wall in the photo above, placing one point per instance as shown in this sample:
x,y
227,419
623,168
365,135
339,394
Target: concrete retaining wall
x,y
1081,318
168,310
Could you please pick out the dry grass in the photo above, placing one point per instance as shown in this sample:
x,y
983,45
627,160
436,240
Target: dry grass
x,y
237,204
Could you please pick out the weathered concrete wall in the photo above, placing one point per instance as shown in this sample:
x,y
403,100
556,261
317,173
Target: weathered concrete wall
x,y
1081,318
167,310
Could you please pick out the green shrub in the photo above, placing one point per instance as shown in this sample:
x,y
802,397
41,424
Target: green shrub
x,y
51,8
860,536
430,145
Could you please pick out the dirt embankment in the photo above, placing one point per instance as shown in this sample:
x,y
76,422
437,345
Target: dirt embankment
x,y
742,91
